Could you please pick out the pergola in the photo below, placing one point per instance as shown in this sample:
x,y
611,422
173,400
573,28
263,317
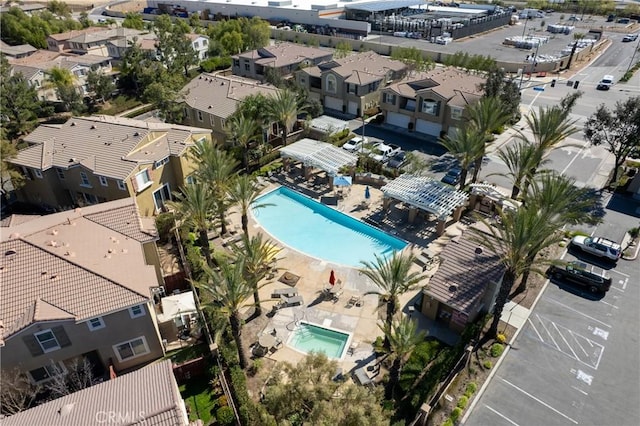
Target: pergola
x,y
425,193
321,155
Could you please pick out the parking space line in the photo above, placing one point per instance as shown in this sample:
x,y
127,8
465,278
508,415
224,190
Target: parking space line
x,y
578,312
545,329
503,416
565,341
618,289
535,329
539,401
619,273
578,343
609,304
580,390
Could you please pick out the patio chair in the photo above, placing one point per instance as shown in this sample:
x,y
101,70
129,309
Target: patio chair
x,y
284,292
354,301
287,302
362,377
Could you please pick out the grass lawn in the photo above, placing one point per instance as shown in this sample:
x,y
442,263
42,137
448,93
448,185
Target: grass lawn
x,y
199,399
187,353
119,104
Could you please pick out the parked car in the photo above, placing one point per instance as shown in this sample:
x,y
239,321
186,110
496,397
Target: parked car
x,y
384,151
453,176
611,18
574,18
605,83
398,160
598,246
580,273
630,37
355,143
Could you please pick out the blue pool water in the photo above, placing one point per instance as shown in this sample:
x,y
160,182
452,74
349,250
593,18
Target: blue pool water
x,y
320,231
312,338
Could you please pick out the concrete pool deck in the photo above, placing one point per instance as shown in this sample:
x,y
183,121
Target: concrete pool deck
x,y
361,321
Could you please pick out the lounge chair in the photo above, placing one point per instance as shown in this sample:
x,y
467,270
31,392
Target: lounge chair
x,y
362,377
284,292
427,260
287,302
354,301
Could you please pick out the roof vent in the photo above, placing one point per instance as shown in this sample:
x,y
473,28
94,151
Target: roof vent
x,y
53,277
70,253
93,127
66,409
54,232
73,160
73,123
478,250
136,134
10,252
453,288
52,243
210,106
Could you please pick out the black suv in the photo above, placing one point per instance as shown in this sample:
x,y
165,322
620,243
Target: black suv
x,y
592,277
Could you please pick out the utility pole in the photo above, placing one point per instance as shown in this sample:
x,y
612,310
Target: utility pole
x,y
633,56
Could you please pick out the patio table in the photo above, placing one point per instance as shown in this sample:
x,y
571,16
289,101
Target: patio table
x,y
267,341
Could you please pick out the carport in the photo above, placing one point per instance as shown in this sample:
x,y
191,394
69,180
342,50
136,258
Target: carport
x,y
321,155
427,194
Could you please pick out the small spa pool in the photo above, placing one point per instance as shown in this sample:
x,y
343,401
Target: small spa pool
x,y
314,338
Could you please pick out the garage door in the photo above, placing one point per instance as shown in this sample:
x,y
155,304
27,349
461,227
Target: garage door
x,y
428,128
353,108
398,119
333,103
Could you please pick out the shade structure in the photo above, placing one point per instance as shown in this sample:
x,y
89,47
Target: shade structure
x,y
332,278
321,155
342,180
177,305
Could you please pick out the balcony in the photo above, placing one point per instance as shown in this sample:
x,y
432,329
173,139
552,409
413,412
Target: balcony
x,y
407,104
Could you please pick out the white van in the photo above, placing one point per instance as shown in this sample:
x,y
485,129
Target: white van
x,y
605,83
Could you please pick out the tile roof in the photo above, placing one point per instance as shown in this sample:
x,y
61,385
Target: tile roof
x,y
75,33
148,396
458,87
367,62
284,53
16,50
75,264
104,35
194,36
27,72
220,95
35,58
464,274
108,146
17,219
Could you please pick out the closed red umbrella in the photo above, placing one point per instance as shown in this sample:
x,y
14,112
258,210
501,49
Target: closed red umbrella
x,y
332,278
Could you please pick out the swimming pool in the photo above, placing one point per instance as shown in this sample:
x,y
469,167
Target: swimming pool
x,y
313,338
320,231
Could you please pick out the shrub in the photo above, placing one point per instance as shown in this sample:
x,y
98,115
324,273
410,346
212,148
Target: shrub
x,y
164,224
225,416
448,422
471,389
501,338
455,414
216,63
462,402
497,349
222,401
487,364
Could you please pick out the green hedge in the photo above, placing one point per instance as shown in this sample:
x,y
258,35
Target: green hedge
x,y
496,350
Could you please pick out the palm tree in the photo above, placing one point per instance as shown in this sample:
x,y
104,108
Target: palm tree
x,y
194,206
216,168
486,115
243,192
517,235
520,159
227,291
242,131
403,338
393,277
60,77
256,255
466,145
284,108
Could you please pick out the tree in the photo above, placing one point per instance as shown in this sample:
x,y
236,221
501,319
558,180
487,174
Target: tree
x,y
20,108
64,82
194,206
256,255
342,50
78,375
284,108
216,168
8,172
618,130
133,20
305,393
227,292
413,58
520,159
256,33
506,90
466,145
59,8
174,47
16,27
17,392
403,337
393,277
485,116
243,131
244,191
164,97
84,20
100,84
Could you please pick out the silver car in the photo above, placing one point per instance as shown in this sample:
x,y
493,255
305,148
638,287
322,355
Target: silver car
x,y
598,246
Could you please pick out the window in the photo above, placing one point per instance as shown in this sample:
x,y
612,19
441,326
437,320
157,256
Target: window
x,y
136,311
332,85
236,63
60,173
456,113
47,341
190,180
186,113
247,67
388,98
121,185
143,180
161,196
131,349
196,44
103,181
26,173
89,199
430,107
37,173
160,163
84,180
95,324
351,88
47,372
199,115
212,120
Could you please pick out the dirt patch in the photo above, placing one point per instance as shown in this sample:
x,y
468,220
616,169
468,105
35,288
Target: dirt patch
x,y
250,333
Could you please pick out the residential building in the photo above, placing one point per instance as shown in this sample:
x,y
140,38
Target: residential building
x,y
117,47
148,396
28,9
200,44
90,160
210,99
79,284
95,43
352,84
60,42
18,51
431,103
465,284
282,58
